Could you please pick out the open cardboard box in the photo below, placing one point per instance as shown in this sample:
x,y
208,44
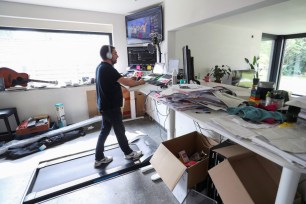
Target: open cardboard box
x,y
245,177
173,172
36,128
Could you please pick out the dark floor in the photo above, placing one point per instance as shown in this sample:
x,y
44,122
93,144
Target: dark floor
x,y
15,174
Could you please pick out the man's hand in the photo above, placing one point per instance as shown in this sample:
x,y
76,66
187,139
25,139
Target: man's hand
x,y
141,81
130,81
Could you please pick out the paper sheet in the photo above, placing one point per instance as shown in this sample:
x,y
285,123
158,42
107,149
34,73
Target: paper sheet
x,y
290,139
299,159
229,100
298,102
231,126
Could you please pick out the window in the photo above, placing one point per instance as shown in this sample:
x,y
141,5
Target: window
x,y
65,56
266,51
293,67
288,67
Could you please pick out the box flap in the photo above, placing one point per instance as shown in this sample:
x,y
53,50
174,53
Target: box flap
x,y
169,168
271,168
232,151
244,180
230,188
191,143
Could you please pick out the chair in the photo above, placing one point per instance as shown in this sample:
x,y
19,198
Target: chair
x,y
5,113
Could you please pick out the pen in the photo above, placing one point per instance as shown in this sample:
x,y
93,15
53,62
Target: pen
x,y
203,112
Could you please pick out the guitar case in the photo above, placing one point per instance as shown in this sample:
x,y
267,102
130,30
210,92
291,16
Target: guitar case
x,y
43,143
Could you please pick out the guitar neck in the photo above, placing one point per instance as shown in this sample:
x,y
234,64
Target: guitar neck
x,y
41,81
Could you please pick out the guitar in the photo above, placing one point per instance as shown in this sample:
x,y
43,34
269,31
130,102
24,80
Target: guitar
x,y
12,78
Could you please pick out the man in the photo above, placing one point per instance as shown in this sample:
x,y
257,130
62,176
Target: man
x,y
109,103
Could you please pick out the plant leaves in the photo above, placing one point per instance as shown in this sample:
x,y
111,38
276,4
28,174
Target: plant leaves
x,y
254,60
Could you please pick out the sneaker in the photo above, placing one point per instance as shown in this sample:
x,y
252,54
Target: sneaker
x,y
105,160
134,155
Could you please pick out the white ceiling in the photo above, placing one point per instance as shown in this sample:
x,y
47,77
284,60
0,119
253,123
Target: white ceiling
x,y
109,6
283,18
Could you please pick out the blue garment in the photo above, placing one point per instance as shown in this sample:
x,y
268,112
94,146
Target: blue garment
x,y
112,118
255,114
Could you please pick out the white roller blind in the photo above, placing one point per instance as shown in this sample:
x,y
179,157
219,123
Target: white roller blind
x,y
50,55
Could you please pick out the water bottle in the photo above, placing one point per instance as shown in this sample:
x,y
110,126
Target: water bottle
x,y
174,77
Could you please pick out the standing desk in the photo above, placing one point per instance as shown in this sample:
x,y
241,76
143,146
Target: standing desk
x,y
291,173
132,101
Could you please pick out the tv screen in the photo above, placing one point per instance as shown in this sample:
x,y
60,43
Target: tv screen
x,y
140,25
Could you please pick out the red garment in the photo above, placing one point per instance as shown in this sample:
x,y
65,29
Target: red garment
x,y
271,107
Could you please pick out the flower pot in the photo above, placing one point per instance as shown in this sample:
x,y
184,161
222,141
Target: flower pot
x,y
218,80
255,81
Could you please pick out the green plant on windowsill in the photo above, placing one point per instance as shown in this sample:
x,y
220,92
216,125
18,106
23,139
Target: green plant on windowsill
x,y
218,72
254,65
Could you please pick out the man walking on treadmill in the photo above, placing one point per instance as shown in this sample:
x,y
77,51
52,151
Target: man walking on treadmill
x,y
109,103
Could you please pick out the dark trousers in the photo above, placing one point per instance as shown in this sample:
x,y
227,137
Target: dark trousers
x,y
112,118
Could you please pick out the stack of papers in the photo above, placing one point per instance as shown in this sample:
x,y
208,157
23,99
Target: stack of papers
x,y
191,96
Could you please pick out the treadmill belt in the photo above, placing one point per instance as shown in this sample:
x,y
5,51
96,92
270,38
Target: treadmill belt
x,y
72,170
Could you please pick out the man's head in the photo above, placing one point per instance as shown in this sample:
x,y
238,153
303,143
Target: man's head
x,y
109,54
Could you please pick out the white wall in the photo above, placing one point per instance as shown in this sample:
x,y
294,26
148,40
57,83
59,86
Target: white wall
x,y
181,16
213,44
42,101
181,13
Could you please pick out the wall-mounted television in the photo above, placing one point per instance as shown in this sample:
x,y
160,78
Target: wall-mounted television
x,y
140,25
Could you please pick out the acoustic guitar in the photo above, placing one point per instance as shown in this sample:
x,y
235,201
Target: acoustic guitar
x,y
12,78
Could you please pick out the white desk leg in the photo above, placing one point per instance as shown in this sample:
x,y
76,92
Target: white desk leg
x,y
287,186
171,130
132,103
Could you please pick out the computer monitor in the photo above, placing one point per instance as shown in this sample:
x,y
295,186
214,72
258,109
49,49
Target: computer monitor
x,y
188,65
243,78
186,62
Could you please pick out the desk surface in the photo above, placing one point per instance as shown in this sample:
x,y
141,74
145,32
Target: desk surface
x,y
291,172
205,119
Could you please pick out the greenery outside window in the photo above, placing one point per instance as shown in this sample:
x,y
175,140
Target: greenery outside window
x,y
293,68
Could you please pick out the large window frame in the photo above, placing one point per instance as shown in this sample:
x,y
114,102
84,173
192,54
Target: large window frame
x,y
77,75
278,55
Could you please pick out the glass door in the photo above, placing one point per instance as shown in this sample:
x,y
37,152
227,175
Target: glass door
x,y
292,76
265,57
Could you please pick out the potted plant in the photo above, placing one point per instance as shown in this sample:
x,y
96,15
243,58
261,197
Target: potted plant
x,y
218,72
255,66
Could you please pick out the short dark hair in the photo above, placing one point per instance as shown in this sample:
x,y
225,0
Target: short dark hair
x,y
104,50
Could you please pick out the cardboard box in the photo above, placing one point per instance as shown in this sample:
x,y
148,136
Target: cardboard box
x,y
214,159
245,177
126,112
38,127
173,172
92,103
140,102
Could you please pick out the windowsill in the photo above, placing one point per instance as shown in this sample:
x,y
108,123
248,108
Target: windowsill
x,y
20,89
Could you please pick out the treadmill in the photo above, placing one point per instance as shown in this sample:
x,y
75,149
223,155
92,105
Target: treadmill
x,y
65,174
